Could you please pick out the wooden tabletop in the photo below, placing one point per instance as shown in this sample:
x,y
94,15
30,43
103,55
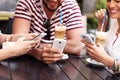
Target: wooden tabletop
x,y
74,68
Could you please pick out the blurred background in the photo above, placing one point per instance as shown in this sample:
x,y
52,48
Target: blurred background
x,y
88,8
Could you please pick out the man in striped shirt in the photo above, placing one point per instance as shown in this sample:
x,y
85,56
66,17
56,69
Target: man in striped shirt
x,y
42,16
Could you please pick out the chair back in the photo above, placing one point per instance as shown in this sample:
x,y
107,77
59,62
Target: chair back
x,y
6,26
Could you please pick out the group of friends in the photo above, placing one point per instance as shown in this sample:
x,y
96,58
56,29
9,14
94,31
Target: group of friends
x,y
36,16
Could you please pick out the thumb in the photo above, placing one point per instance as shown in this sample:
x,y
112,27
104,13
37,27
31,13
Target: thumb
x,y
33,34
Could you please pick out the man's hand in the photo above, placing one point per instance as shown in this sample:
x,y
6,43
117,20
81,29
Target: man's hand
x,y
46,54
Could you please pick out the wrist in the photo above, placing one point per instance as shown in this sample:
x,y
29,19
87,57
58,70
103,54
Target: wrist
x,y
36,53
110,62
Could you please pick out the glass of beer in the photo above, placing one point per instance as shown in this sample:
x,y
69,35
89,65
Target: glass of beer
x,y
101,37
60,31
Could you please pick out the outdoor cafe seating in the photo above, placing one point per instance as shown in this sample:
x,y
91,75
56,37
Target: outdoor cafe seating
x,y
74,68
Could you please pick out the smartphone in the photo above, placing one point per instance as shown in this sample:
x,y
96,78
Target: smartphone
x,y
87,38
41,35
60,44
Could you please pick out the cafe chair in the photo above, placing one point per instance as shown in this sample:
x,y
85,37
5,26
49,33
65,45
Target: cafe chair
x,y
6,26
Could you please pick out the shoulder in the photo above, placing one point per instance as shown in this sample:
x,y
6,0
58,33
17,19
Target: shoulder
x,y
28,1
70,4
71,1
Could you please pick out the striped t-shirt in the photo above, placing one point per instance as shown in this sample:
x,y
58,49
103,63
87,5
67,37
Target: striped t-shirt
x,y
33,10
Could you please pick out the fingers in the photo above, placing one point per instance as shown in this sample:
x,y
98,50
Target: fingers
x,y
89,49
8,37
33,34
51,60
38,44
28,44
51,55
100,14
87,43
48,49
28,36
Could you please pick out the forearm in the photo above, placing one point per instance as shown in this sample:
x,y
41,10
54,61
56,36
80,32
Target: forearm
x,y
108,61
113,64
7,53
73,47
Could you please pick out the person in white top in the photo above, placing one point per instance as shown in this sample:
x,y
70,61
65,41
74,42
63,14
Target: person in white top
x,y
42,16
110,56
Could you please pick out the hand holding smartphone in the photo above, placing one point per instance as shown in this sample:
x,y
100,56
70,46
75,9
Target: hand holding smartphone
x,y
60,44
87,38
41,35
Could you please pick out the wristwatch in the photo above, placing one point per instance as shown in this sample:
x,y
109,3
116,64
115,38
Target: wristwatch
x,y
115,68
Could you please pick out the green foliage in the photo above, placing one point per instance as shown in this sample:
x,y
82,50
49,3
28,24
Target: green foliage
x,y
101,4
92,23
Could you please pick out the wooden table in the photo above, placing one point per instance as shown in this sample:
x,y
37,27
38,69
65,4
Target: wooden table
x,y
74,68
